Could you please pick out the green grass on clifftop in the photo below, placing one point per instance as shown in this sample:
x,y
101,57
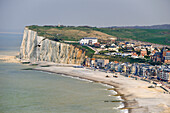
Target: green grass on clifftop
x,y
159,36
72,33
69,33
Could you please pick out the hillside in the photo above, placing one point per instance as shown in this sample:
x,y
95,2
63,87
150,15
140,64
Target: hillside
x,y
70,33
159,36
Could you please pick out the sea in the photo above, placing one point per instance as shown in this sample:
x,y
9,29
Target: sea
x,y
30,91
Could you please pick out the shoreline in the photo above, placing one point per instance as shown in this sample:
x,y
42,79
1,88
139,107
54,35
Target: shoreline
x,y
138,98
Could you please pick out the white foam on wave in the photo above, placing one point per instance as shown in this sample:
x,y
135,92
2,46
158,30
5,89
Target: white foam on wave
x,y
113,92
109,86
119,97
121,106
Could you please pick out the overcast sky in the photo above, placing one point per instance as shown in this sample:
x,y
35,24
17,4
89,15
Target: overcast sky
x,y
15,14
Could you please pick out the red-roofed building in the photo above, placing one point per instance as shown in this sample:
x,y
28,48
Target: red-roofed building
x,y
143,52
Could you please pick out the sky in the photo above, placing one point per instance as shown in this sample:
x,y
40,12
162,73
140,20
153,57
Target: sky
x,y
16,14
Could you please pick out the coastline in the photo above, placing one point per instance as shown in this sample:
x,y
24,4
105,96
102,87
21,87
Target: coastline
x,y
138,98
8,59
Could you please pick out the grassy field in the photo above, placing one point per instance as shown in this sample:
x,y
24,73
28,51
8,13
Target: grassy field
x,y
72,33
158,36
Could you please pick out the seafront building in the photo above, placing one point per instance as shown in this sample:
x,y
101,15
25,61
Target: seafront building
x,y
145,71
167,57
164,74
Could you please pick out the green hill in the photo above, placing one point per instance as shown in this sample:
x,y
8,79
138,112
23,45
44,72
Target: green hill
x,y
72,33
159,36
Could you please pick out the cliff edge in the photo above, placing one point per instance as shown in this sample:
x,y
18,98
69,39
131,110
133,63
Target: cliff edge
x,y
38,48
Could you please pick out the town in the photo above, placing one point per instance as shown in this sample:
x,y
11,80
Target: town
x,y
158,73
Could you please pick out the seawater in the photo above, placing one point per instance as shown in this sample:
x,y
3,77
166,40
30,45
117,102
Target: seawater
x,y
30,91
10,43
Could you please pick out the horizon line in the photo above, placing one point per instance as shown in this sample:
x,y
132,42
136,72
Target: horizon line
x,y
11,33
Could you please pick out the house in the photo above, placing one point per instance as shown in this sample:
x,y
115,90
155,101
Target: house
x,y
129,45
102,46
134,53
88,41
143,52
129,48
157,57
97,45
113,48
137,48
112,39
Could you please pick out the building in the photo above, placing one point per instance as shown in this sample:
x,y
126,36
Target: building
x,y
134,55
101,62
92,62
113,48
167,58
103,46
97,45
88,41
157,57
143,52
112,39
164,74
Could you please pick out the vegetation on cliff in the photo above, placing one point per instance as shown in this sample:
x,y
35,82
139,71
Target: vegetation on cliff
x,y
72,33
89,52
68,33
126,59
159,36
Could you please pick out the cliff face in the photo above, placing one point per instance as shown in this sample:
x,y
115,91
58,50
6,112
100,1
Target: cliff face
x,y
37,48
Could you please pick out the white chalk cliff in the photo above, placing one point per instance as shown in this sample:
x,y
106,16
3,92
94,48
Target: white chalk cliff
x,y
38,48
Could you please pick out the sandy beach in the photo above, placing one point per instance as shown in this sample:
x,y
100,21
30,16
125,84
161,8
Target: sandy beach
x,y
8,59
138,98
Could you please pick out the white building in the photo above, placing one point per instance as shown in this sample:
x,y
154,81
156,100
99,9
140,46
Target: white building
x,y
113,48
88,40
